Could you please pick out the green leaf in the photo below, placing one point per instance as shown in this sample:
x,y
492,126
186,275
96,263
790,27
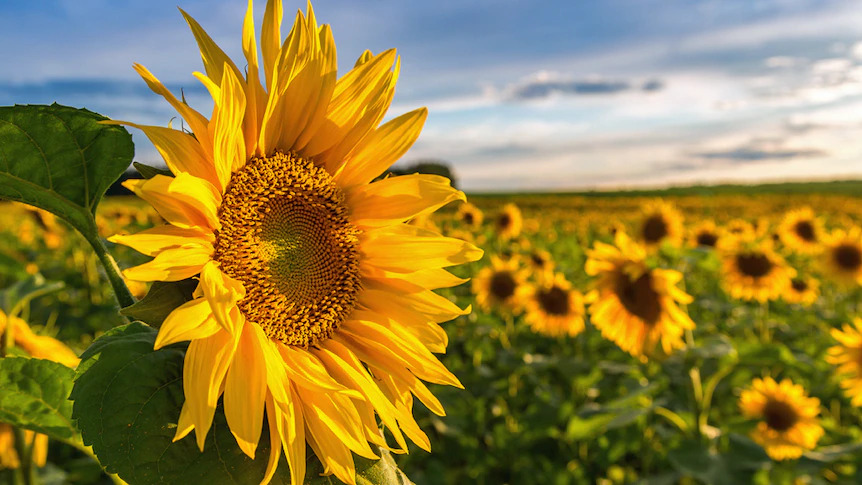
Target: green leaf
x,y
22,292
127,399
35,396
149,172
60,159
160,301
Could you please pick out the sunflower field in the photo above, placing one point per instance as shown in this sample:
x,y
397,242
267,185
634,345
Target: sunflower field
x,y
273,305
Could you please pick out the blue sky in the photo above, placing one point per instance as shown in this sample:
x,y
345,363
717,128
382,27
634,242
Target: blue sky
x,y
523,95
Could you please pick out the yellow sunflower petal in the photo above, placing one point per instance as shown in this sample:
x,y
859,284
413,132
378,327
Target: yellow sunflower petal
x,y
397,199
191,320
245,392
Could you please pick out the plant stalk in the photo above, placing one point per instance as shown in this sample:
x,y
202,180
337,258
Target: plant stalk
x,y
121,291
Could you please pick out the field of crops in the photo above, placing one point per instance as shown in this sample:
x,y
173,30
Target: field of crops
x,y
612,339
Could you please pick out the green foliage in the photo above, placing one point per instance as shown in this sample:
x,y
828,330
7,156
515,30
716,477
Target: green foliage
x,y
18,295
60,159
35,396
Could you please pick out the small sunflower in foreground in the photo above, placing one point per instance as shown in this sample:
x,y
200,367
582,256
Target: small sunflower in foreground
x,y
801,231
554,308
788,417
635,306
751,270
705,235
847,355
842,256
314,302
508,222
803,291
469,216
661,222
502,285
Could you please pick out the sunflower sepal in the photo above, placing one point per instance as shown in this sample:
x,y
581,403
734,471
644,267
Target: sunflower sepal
x,y
149,172
162,298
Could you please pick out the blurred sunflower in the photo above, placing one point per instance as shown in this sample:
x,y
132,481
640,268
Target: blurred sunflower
x,y
314,299
788,417
842,257
502,285
661,222
847,355
801,231
803,291
633,305
38,347
469,215
704,235
554,308
508,222
751,270
739,228
541,260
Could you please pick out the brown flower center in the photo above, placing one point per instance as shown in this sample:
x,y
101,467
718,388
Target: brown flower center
x,y
805,231
654,229
638,297
755,264
503,285
798,285
504,221
468,218
779,415
848,256
554,301
707,239
287,237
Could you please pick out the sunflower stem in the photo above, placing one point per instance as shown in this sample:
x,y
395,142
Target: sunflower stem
x,y
121,291
25,457
763,322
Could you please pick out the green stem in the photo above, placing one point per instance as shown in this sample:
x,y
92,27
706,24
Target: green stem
x,y
25,457
121,291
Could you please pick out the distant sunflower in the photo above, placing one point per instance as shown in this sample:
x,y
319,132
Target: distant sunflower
x,y
847,355
554,308
842,256
314,299
705,235
9,458
739,228
633,305
508,222
801,231
541,260
469,215
502,285
751,270
803,291
788,417
661,222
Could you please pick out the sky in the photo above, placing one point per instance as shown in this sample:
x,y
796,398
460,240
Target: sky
x,y
522,95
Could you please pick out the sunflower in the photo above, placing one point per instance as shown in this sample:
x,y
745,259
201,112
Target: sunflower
x,y
554,308
788,417
469,216
847,355
541,260
842,258
502,285
740,228
801,231
661,222
804,291
38,347
508,222
753,271
314,299
634,305
705,235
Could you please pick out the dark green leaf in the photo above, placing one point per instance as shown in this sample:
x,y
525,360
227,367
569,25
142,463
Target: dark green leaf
x,y
60,159
35,396
161,300
149,172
